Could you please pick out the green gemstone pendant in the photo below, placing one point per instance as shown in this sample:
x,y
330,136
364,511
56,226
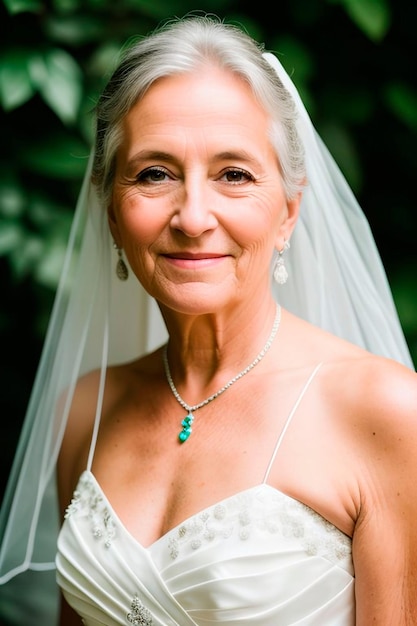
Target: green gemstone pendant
x,y
186,427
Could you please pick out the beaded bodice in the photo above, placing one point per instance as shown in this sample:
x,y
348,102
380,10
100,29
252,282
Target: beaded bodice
x,y
259,510
295,550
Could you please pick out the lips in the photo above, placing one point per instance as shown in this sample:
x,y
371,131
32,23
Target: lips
x,y
194,260
194,256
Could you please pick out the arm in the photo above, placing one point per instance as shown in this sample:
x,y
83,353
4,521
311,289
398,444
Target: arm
x,y
385,537
73,454
73,459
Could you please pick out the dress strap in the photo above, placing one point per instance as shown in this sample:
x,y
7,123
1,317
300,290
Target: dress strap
x,y
288,421
100,394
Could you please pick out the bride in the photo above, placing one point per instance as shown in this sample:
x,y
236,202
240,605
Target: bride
x,y
234,414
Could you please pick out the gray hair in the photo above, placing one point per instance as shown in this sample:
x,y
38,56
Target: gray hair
x,y
183,46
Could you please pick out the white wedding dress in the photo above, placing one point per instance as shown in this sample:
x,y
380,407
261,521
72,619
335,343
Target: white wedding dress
x,y
257,558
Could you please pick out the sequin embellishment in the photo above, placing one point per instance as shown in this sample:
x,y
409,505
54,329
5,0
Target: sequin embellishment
x,y
252,514
87,501
139,615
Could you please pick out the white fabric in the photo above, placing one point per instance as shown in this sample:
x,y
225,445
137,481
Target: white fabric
x,y
257,558
336,281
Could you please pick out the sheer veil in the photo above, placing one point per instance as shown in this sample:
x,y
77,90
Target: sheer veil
x,y
336,281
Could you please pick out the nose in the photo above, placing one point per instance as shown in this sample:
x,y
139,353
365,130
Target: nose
x,y
194,213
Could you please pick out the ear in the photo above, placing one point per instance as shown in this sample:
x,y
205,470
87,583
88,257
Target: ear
x,y
113,225
285,230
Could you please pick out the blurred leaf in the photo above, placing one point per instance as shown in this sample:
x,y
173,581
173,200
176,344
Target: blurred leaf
x,y
24,257
59,81
296,59
11,235
339,142
104,59
66,5
163,8
298,62
373,17
49,267
74,30
404,288
346,105
12,198
20,6
58,156
402,100
15,82
48,216
248,24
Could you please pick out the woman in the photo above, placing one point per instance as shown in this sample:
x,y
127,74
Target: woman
x,y
255,468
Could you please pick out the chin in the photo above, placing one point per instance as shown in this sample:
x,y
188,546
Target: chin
x,y
196,301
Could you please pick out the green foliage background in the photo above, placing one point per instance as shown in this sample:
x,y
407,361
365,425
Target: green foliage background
x,y
351,59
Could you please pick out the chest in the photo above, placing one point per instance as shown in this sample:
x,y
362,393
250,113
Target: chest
x,y
154,482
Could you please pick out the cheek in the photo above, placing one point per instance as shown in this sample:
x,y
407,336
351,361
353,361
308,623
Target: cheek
x,y
256,223
139,224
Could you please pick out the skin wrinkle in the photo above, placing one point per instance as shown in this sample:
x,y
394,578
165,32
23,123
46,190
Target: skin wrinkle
x,y
194,164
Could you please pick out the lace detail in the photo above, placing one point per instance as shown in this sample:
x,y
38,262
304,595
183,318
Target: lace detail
x,y
139,616
266,512
88,501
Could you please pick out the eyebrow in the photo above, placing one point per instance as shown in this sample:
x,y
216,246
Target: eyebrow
x,y
148,155
240,155
160,155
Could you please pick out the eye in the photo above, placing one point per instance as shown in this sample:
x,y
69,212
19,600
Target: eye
x,y
152,175
236,176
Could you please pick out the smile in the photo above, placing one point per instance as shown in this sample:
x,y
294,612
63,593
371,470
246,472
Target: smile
x,y
194,261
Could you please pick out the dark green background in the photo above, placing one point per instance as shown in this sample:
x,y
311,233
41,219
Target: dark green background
x,y
353,61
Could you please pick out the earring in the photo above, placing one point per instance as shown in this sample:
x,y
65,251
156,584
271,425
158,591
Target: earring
x,y
122,272
280,271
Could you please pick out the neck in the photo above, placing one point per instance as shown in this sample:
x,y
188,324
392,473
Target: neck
x,y
206,350
188,419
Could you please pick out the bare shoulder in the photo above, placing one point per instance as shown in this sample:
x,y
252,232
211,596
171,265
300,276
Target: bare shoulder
x,y
383,397
376,397
382,392
369,404
119,380
372,384
375,400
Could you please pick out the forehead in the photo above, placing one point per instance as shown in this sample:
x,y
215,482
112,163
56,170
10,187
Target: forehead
x,y
210,102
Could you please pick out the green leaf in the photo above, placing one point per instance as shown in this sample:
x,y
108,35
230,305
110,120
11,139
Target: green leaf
x,y
59,156
59,81
11,236
16,86
66,6
12,199
75,30
24,257
21,6
49,216
402,100
298,61
157,10
339,141
373,17
49,267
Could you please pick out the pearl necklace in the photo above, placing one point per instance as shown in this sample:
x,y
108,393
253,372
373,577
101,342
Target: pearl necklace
x,y
189,418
